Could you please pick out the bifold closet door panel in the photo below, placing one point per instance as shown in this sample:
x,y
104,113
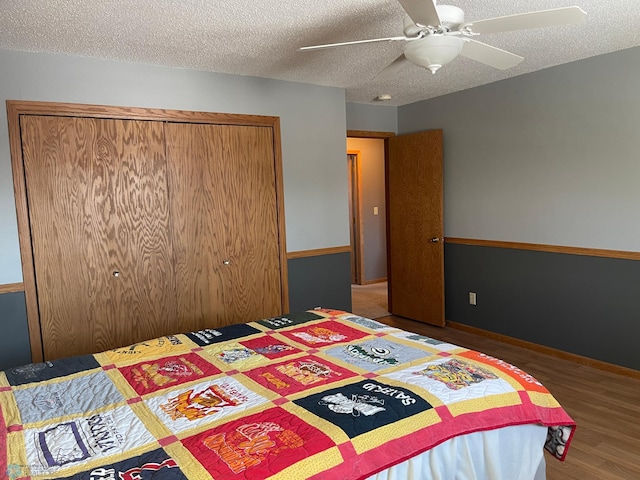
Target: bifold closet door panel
x,y
97,193
224,222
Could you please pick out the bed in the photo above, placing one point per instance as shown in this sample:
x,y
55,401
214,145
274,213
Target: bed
x,y
321,394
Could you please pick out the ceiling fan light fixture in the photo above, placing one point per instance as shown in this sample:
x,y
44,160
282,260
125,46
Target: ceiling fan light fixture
x,y
433,51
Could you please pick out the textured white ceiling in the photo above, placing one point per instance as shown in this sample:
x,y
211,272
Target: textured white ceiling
x,y
261,37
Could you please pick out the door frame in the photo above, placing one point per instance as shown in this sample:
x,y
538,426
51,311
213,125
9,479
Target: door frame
x,y
18,108
356,225
384,136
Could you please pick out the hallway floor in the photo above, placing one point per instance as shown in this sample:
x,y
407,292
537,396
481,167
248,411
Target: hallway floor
x,y
370,301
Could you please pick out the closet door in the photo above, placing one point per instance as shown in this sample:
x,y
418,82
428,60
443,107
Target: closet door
x,y
224,223
98,213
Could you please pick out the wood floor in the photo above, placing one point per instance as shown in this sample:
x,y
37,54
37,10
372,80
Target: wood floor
x,y
605,406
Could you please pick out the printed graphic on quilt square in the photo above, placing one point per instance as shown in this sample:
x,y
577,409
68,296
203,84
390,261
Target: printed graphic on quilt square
x,y
324,334
159,374
376,354
453,380
148,466
168,345
40,372
288,320
183,408
257,446
520,377
52,448
296,375
53,400
270,347
209,336
234,355
364,406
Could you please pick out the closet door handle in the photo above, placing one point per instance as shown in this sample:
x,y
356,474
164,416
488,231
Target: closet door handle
x,y
116,273
435,240
226,262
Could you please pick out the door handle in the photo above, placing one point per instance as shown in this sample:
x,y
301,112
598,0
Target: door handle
x,y
436,240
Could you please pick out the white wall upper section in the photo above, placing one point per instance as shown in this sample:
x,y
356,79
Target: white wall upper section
x,y
550,157
312,120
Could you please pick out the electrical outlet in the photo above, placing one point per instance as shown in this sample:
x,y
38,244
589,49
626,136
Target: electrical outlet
x,y
472,298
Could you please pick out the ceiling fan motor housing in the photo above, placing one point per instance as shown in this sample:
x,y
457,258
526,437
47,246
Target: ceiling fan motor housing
x,y
450,19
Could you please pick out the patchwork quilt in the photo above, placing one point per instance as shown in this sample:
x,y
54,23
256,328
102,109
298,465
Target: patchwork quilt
x,y
321,394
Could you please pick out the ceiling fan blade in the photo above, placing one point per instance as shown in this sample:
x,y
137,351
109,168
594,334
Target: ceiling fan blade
x,y
422,12
492,56
393,68
356,42
542,18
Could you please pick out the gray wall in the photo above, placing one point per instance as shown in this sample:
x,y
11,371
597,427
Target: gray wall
x,y
313,125
584,305
374,118
14,335
548,158
320,281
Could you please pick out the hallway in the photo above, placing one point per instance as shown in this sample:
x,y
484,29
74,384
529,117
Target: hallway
x,y
370,301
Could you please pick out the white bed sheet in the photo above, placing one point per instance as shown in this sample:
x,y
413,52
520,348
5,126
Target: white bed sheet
x,y
509,453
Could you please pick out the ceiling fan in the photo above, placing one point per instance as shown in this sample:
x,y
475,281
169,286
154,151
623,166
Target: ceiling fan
x,y
436,34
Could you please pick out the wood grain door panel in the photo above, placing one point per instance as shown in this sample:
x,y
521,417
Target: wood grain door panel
x,y
99,223
415,217
226,235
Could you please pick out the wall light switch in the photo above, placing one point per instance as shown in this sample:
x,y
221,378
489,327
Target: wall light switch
x,y
375,210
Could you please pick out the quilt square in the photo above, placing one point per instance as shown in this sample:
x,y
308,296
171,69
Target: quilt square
x,y
526,380
154,465
53,447
80,394
364,406
453,380
324,334
234,355
430,342
275,323
183,408
40,372
209,336
270,347
298,374
376,354
166,372
367,322
257,446
168,345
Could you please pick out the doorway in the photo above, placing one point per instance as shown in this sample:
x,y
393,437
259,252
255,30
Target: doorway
x,y
366,159
413,186
367,206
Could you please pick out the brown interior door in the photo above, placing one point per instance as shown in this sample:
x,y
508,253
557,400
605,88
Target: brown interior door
x,y
415,227
98,213
225,227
